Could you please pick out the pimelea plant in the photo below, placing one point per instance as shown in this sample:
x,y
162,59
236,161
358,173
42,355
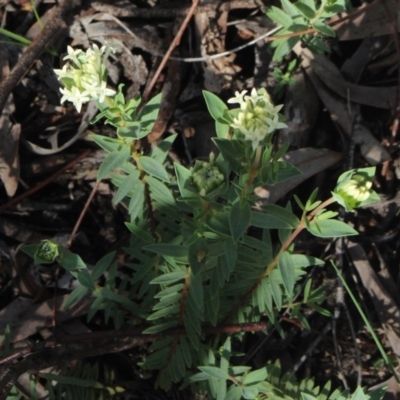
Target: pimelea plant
x,y
202,262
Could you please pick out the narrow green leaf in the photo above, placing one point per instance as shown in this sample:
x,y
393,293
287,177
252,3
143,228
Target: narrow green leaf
x,y
282,213
160,327
239,220
286,268
75,296
113,161
86,280
136,202
169,278
328,228
178,252
154,168
269,221
166,311
319,26
127,184
302,260
197,254
230,254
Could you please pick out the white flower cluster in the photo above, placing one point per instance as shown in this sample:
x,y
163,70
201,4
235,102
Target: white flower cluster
x,y
84,77
257,116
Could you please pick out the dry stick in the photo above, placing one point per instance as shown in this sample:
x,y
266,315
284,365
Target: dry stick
x,y
41,185
174,43
51,32
82,215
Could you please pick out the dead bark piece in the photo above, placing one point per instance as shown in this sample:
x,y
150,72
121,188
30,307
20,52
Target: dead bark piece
x,y
9,139
309,161
211,31
380,97
26,319
385,306
371,21
352,125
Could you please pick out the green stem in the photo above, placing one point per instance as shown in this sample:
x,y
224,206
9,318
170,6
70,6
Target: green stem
x,y
367,323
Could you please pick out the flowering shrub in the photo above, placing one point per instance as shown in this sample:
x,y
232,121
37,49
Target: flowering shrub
x,y
194,262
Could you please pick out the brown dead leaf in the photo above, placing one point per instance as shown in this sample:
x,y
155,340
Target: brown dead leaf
x,y
26,318
380,97
352,125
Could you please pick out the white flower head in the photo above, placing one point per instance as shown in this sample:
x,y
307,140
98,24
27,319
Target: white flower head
x,y
257,117
84,77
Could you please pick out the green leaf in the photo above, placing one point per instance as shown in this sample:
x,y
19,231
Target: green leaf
x,y
126,185
231,150
182,176
279,16
239,219
250,393
284,47
170,311
136,202
154,168
289,8
302,260
286,268
149,115
330,228
268,221
256,376
282,213
178,252
113,161
106,143
75,296
102,265
219,222
139,232
319,26
198,252
161,151
305,10
160,327
230,254
86,280
215,105
71,261
169,278
161,194
215,372
222,129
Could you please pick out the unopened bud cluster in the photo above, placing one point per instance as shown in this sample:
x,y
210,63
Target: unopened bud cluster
x,y
257,117
355,189
206,177
84,76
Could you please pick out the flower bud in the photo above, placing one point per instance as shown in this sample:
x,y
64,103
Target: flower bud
x,y
354,188
206,176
